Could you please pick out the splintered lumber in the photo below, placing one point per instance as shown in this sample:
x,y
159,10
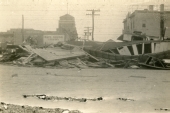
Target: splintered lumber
x,y
26,60
155,63
99,60
28,48
92,56
81,61
24,49
110,64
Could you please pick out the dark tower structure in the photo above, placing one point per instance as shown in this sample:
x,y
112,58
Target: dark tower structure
x,y
67,27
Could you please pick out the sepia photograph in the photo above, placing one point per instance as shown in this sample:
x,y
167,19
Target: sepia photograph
x,y
84,56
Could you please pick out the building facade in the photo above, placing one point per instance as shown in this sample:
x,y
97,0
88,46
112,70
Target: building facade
x,y
148,22
6,37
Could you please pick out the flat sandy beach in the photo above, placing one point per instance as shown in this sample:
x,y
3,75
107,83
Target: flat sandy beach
x,y
150,89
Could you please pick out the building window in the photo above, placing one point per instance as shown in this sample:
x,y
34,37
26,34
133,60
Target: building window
x,y
143,25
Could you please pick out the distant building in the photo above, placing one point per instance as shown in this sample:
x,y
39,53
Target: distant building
x,y
66,31
67,27
6,37
30,36
52,37
148,21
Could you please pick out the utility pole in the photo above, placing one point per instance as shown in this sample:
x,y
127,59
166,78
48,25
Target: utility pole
x,y
87,32
93,14
22,28
162,34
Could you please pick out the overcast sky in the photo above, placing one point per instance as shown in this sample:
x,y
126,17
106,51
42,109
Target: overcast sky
x,y
44,14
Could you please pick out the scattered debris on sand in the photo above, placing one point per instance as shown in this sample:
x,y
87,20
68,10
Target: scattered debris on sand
x,y
45,97
163,109
14,75
138,76
71,56
125,99
11,108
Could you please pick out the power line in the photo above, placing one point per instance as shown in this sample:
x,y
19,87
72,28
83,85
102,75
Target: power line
x,y
93,14
22,28
87,32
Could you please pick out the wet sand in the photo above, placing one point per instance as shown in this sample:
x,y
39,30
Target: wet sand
x,y
148,88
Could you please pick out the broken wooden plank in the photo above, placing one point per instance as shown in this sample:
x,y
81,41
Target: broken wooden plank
x,y
92,56
26,60
81,61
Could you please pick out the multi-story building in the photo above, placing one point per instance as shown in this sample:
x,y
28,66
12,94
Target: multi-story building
x,y
148,22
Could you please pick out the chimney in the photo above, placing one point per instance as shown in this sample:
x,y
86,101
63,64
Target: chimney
x,y
162,7
150,7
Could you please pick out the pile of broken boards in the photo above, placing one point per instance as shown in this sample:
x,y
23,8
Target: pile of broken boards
x,y
44,57
60,57
12,53
52,57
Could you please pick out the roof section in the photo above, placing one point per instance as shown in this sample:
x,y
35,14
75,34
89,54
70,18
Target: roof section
x,y
145,11
6,34
66,17
120,37
50,33
110,40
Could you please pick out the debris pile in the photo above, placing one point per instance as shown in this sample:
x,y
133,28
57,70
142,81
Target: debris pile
x,y
125,99
156,63
64,55
12,53
11,108
45,97
45,57
163,109
58,56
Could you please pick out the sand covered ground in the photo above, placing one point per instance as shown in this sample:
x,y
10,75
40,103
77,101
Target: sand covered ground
x,y
122,90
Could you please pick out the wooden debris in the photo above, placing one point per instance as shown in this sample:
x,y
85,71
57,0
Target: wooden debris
x,y
155,63
14,75
125,99
138,76
163,109
45,97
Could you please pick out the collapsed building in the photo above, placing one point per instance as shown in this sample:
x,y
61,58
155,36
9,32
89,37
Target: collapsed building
x,y
144,40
